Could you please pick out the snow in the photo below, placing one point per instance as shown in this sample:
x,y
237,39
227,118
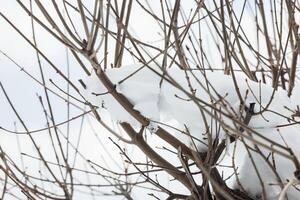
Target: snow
x,y
247,174
191,107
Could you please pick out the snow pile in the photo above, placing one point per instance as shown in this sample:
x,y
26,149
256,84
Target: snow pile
x,y
139,89
189,99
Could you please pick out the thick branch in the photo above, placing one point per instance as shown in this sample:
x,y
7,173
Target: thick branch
x,y
155,157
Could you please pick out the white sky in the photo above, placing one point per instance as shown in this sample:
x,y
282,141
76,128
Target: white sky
x,y
22,89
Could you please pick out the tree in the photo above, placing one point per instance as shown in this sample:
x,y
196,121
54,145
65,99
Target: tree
x,y
207,109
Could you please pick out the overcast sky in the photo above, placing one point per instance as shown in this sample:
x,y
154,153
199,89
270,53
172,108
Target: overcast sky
x,y
23,90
